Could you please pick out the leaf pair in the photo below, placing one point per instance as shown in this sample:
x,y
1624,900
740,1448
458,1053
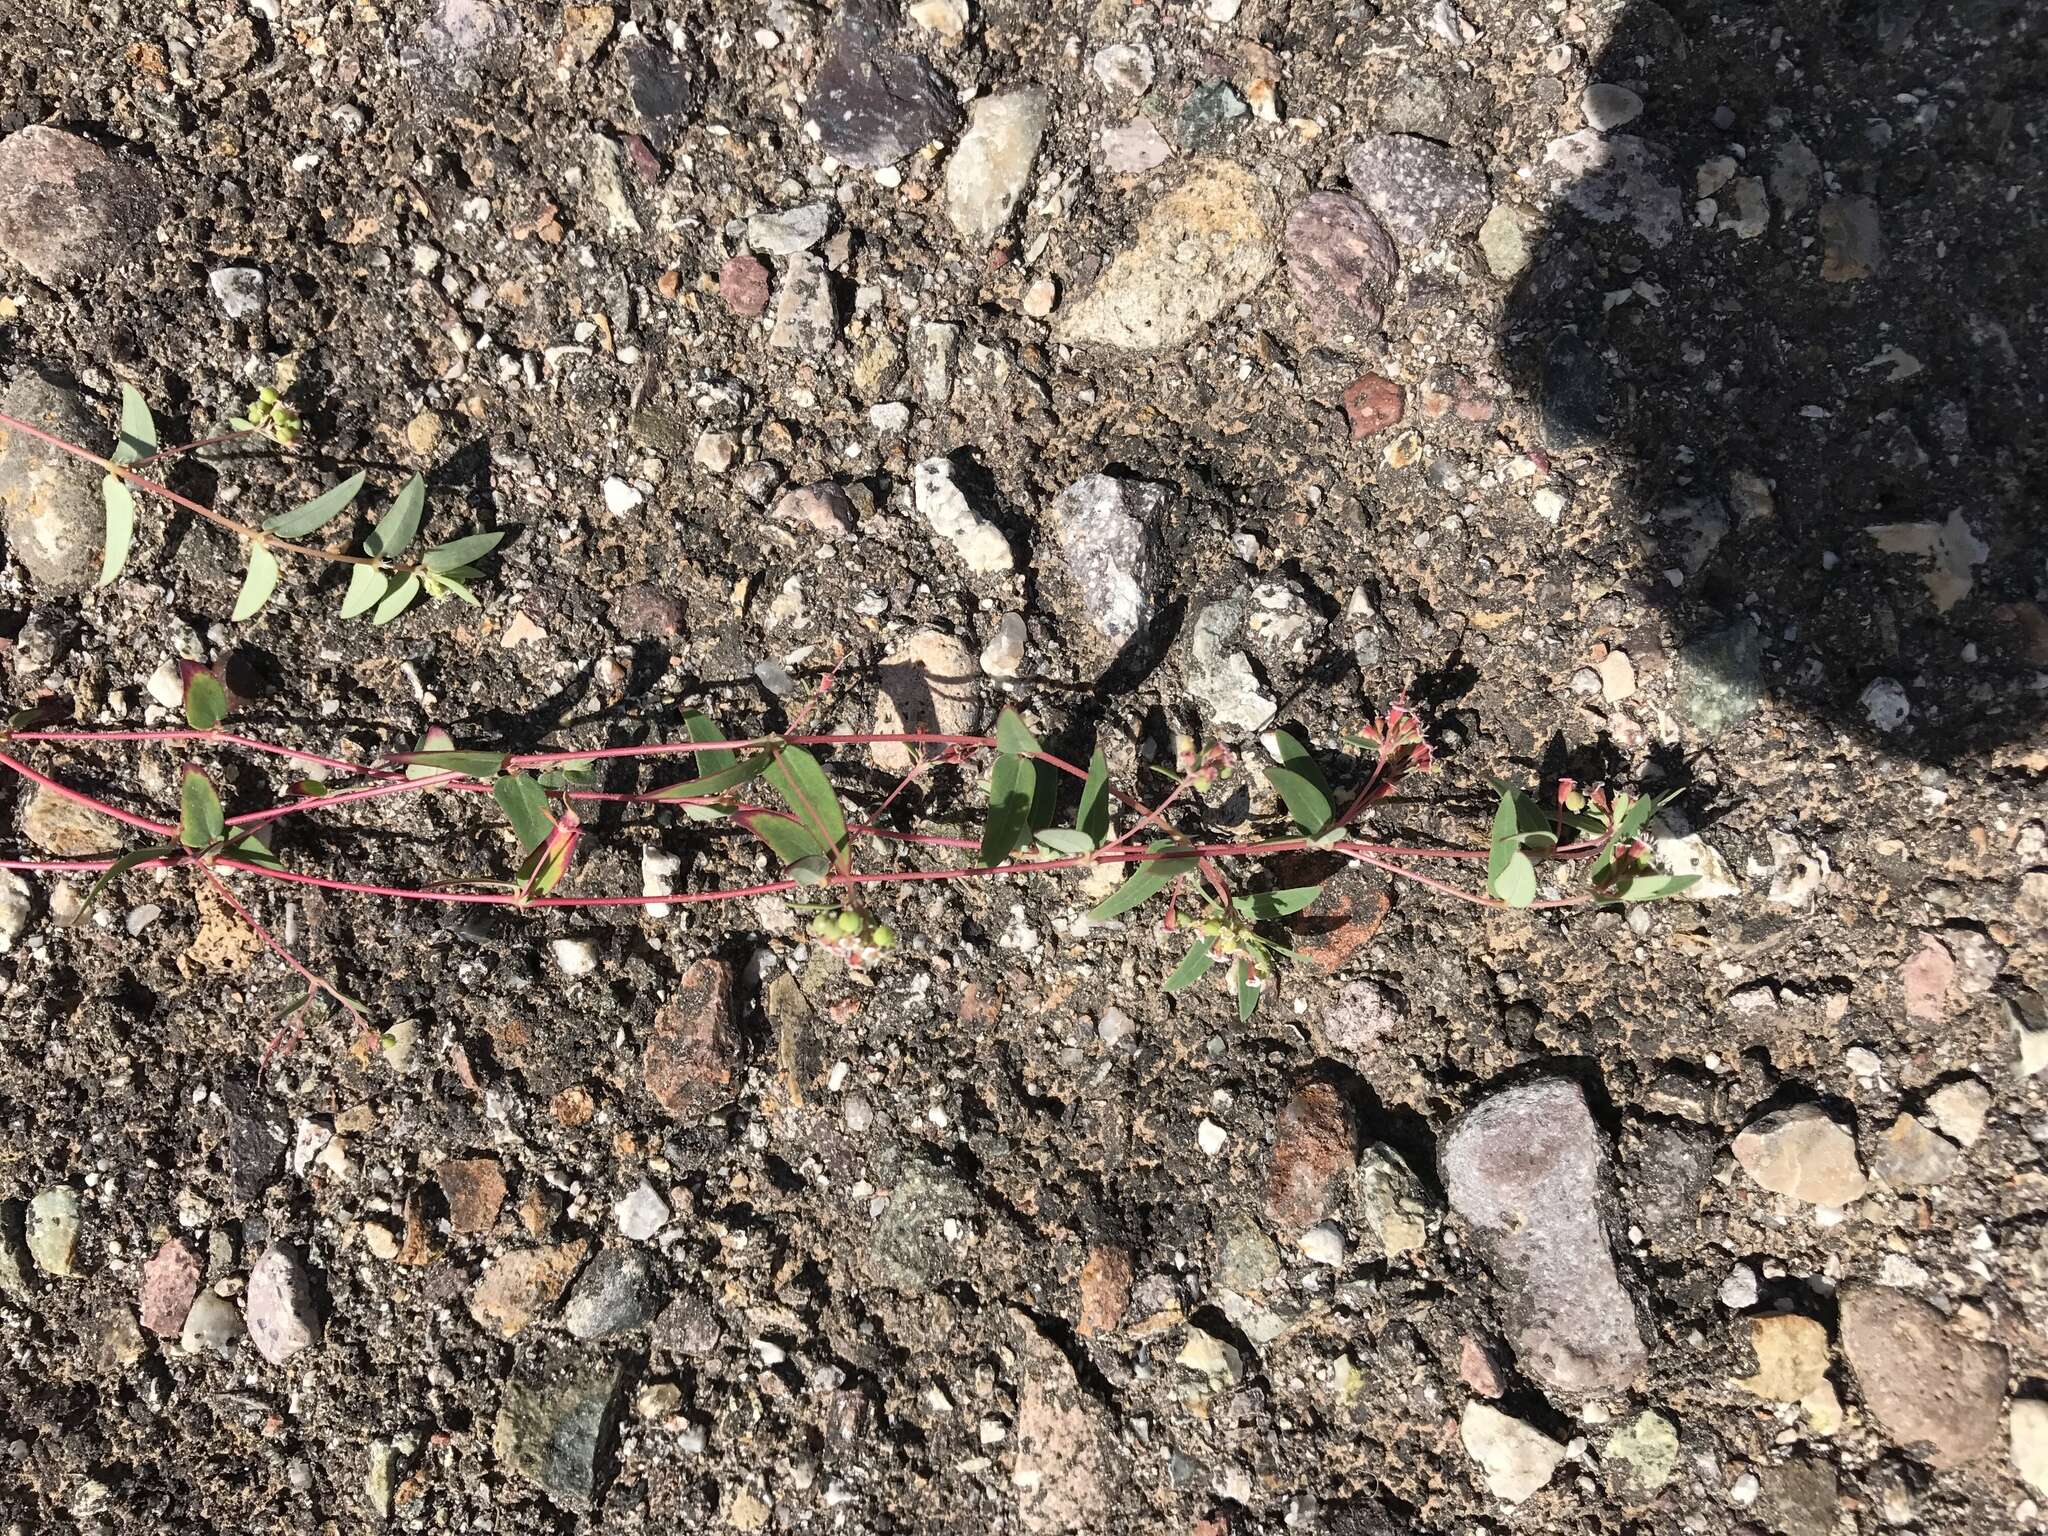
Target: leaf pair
x,y
1021,794
1091,822
723,770
811,837
1614,874
1301,786
137,441
1520,830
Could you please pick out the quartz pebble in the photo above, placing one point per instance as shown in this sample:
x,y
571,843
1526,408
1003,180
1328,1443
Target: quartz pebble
x,y
948,507
281,1318
1105,535
992,163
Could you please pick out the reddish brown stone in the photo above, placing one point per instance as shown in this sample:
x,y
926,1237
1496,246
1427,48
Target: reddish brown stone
x,y
475,1190
644,612
1478,1369
1373,404
518,1285
1315,1150
743,284
1105,1291
692,1055
170,1281
1339,923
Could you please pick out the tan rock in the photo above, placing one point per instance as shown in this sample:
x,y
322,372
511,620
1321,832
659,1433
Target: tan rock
x,y
66,828
518,1285
1803,1153
1922,1380
1791,1357
927,684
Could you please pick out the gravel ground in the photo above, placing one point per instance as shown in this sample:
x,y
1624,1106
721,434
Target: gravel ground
x,y
1643,392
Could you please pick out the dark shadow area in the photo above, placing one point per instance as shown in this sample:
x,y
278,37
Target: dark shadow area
x,y
1799,294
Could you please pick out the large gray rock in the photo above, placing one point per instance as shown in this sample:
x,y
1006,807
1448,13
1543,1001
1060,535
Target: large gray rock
x,y
1528,1171
1219,674
874,103
67,207
1105,533
1611,178
50,501
988,172
556,1422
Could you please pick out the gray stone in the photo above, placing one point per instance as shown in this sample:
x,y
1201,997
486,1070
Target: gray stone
x,y
1909,1155
68,208
1199,249
1396,1206
282,1320
806,312
556,1423
17,903
49,501
790,231
1340,264
1804,1153
1800,1498
992,165
874,103
908,1249
1515,1459
1219,675
1507,239
618,1292
1722,676
53,1228
1851,245
16,1279
1420,190
1212,112
1610,106
1794,169
1612,179
1105,534
1527,1169
1132,149
238,290
1668,1169
946,505
1003,656
213,1326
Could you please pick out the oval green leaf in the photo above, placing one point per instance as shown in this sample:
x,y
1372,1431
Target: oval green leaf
x,y
257,584
311,516
397,527
396,601
366,588
120,504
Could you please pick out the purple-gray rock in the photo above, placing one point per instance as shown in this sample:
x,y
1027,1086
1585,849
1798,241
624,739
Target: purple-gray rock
x,y
1612,177
666,90
1420,190
49,501
280,1306
1105,534
1340,264
1528,1171
67,207
874,103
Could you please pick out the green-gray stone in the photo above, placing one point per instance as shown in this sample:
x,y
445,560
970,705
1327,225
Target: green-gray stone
x,y
1724,676
556,1421
1643,1454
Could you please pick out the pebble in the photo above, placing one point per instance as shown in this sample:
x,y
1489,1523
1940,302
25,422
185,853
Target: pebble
x,y
1739,1288
1642,1455
1132,149
1322,1243
743,285
1315,1149
1577,395
944,18
1040,298
927,683
1886,704
1803,1153
515,1286
1198,250
807,314
50,502
1219,675
692,1053
170,1283
787,232
1960,1109
1852,248
858,1114
659,871
872,103
1527,1169
212,1326
1609,106
1911,1156
640,1212
908,1249
1124,69
1105,1291
617,1293
715,451
1722,676
557,1420
1800,1497
1373,404
238,290
52,1231
946,505
281,1320
1421,191
574,957
1393,1201
1791,1357
17,905
1616,179
1507,239
1515,1459
1207,1355
1105,535
620,496
820,506
992,163
1211,1138
69,209
2030,1442
474,1188
1341,265
1003,656
1923,1381
1209,116
1478,1369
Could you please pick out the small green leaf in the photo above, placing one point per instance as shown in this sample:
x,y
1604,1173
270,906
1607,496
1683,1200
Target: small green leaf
x,y
1638,814
1299,782
138,427
732,777
447,584
795,775
120,506
1013,735
1247,994
396,601
543,867
200,823
1068,842
252,848
1514,880
1194,966
241,424
1520,821
118,868
787,838
1147,880
311,516
811,871
395,529
206,701
460,552
469,762
701,727
366,588
257,584
525,805
1657,887
36,716
1093,817
1009,808
1264,906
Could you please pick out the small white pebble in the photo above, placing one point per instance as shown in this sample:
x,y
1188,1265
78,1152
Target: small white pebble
x,y
575,957
1211,1137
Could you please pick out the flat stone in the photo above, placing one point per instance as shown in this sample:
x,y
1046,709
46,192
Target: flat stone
x,y
692,1053
16,1278
1800,1497
1007,647
1393,1200
1105,529
238,290
640,1212
907,1249
1927,978
743,284
1925,1383
69,209
517,1285
170,1283
1515,1459
1508,241
1609,106
618,1292
1642,1455
807,314
820,506
1791,1357
212,1326
1804,1153
1911,1156
1105,1291
1960,1109
475,1190
557,1420
1198,250
992,164
1315,1149
281,1317
1132,149
1124,69
926,684
1722,677
1528,1171
952,511
49,501
1219,674
1066,1470
1212,112
1611,179
2030,1442
873,103
1422,192
1852,247
52,1229
1373,404
789,231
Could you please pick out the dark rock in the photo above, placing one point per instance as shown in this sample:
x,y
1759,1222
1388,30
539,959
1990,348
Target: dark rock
x,y
49,501
1527,1169
1666,1172
908,1249
1373,404
1340,264
644,612
68,208
256,1144
872,102
557,1420
666,90
1800,1498
692,1052
1580,396
1923,1380
1212,112
618,1292
1420,190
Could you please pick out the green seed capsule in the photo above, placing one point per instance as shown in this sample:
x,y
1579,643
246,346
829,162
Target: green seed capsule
x,y
884,937
849,923
267,395
287,435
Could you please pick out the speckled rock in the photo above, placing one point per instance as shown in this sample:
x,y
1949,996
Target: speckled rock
x,y
1422,192
49,501
992,164
1609,178
281,1317
557,1420
874,103
692,1051
1105,534
1340,264
1926,1383
69,209
170,1282
950,508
